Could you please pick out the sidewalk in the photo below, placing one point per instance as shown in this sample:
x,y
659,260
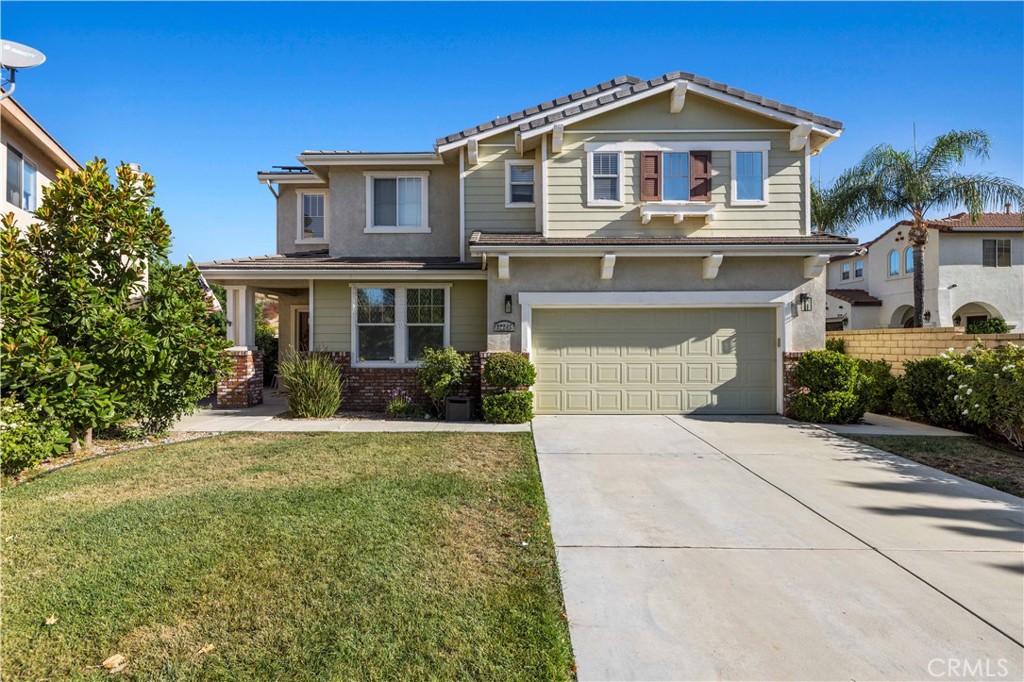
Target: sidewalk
x,y
880,425
262,418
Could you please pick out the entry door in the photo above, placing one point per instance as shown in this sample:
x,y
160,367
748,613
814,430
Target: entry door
x,y
302,330
655,361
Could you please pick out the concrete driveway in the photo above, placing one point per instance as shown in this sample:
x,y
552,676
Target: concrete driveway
x,y
760,548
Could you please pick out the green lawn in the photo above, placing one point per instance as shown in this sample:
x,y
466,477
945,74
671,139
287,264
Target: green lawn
x,y
297,557
968,457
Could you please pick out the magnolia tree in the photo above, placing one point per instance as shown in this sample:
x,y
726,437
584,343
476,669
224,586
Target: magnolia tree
x,y
99,328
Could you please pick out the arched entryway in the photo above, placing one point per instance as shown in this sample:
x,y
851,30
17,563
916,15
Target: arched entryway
x,y
974,312
903,316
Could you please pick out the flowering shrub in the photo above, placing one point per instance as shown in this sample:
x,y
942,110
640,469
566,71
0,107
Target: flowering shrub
x,y
990,389
927,390
401,405
24,441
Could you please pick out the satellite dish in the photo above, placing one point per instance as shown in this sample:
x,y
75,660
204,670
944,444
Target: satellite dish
x,y
14,56
17,56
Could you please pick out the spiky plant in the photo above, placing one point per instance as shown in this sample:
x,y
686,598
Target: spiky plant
x,y
838,208
913,182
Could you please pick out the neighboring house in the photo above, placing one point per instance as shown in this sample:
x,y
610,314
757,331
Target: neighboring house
x,y
32,158
972,271
646,242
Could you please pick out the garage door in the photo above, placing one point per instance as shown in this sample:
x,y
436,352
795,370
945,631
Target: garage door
x,y
619,361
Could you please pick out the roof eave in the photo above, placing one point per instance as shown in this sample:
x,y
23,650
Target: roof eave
x,y
221,272
657,250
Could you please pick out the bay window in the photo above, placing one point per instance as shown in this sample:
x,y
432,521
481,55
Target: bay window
x,y
393,325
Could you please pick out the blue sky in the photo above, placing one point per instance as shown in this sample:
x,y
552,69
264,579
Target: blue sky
x,y
204,95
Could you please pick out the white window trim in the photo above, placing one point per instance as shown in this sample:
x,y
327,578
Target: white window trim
x,y
861,275
706,146
397,229
848,272
401,324
299,239
532,163
764,180
903,260
888,264
37,190
599,203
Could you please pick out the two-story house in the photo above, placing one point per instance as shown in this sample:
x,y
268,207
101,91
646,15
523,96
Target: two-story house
x,y
646,242
31,160
973,270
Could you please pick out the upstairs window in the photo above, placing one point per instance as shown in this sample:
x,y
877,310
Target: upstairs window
x,y
894,263
396,202
22,181
749,178
519,188
908,260
606,178
844,271
995,253
858,269
314,217
676,183
675,176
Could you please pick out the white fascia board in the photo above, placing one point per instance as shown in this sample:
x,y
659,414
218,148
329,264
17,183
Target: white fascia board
x,y
291,178
652,299
514,125
725,98
424,159
661,251
355,275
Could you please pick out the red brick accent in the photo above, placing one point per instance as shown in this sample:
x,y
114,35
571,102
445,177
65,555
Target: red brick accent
x,y
789,385
370,388
243,387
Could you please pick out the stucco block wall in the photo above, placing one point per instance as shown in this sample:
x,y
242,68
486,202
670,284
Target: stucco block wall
x,y
654,274
332,314
897,346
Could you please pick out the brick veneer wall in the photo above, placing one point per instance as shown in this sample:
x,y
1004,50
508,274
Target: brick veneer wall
x,y
243,387
370,388
789,385
896,346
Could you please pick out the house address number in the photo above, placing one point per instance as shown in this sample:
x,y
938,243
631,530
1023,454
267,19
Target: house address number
x,y
504,326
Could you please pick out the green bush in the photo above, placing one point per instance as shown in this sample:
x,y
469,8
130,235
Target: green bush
x,y
927,390
401,406
25,440
835,344
830,388
268,342
442,372
512,407
509,371
313,382
993,325
877,385
990,390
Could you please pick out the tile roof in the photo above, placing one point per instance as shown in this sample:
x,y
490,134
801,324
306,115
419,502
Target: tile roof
x,y
533,239
604,86
320,259
1004,220
854,296
621,88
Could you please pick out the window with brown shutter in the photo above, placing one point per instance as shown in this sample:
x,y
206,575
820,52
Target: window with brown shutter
x,y
650,176
700,176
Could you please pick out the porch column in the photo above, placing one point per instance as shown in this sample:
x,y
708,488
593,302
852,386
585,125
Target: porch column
x,y
241,316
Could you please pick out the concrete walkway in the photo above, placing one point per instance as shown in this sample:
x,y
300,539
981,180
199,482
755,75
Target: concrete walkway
x,y
760,548
881,425
262,418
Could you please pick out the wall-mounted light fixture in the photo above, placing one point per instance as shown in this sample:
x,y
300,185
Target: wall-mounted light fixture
x,y
806,303
508,304
956,320
927,316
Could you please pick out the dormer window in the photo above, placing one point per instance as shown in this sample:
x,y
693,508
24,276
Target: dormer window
x,y
312,217
519,184
396,201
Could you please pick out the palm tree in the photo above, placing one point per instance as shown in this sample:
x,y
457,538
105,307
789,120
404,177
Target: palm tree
x,y
915,182
841,206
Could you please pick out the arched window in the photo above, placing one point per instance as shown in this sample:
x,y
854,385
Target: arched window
x,y
894,263
908,260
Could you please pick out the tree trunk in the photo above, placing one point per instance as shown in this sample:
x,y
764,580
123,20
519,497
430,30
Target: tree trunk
x,y
918,237
88,439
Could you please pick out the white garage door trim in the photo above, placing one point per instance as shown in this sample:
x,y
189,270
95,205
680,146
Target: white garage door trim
x,y
780,300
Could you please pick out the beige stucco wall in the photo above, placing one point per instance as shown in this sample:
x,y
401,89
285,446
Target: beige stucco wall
x,y
1000,290
288,218
31,150
653,274
332,314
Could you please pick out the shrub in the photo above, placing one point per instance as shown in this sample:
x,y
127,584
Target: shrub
x,y
830,388
442,372
401,406
877,385
268,342
990,391
927,389
25,440
835,344
509,371
314,384
512,407
993,325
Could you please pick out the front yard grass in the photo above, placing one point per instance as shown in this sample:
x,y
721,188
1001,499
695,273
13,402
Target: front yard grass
x,y
298,557
968,457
